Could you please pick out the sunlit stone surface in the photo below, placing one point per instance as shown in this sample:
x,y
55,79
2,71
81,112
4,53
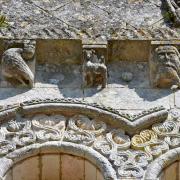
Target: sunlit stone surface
x,y
89,90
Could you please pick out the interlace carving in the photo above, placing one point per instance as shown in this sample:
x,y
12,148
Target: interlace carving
x,y
161,138
129,156
49,127
83,130
114,140
131,163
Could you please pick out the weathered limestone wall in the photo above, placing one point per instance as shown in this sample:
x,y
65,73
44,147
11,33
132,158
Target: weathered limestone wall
x,y
89,89
59,74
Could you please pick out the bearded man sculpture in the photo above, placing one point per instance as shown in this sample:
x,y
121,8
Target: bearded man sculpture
x,y
165,67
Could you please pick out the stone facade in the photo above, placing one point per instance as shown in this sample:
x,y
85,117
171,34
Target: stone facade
x,y
87,131
117,142
89,90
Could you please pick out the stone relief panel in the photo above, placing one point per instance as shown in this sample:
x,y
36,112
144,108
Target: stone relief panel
x,y
129,155
94,69
59,64
18,62
165,67
111,143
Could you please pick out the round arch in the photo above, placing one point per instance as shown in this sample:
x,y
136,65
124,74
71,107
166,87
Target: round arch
x,y
157,166
76,150
90,131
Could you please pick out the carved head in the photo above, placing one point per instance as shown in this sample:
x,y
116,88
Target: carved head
x,y
90,55
165,66
29,49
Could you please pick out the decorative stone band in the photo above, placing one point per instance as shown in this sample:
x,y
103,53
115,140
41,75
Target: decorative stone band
x,y
157,166
131,123
113,144
79,124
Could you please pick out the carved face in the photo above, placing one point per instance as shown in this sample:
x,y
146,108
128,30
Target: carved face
x,y
168,56
165,66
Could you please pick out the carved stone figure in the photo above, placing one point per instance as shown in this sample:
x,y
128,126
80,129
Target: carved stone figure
x,y
94,69
165,67
174,8
14,66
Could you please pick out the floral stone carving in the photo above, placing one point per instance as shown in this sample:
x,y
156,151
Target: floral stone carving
x,y
94,69
15,68
165,67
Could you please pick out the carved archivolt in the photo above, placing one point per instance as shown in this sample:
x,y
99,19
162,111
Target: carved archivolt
x,y
129,156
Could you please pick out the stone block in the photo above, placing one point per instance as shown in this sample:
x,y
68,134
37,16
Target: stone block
x,y
13,95
59,51
126,50
101,49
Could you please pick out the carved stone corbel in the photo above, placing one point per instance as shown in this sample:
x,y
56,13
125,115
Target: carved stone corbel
x,y
94,69
18,61
165,67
